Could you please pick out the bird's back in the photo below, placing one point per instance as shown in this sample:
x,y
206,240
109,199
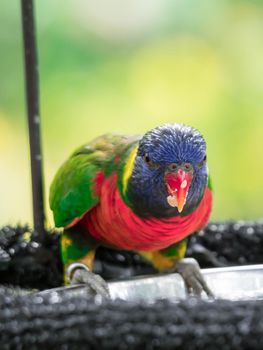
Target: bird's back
x,y
73,191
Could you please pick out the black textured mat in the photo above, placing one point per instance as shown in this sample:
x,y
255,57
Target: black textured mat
x,y
54,321
26,263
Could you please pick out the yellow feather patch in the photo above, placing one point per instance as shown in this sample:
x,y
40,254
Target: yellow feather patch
x,y
159,261
129,168
166,258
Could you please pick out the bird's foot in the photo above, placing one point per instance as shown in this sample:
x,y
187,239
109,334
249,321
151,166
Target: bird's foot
x,y
190,271
95,284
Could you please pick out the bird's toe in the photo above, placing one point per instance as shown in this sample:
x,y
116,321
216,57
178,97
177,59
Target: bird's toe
x,y
95,284
195,283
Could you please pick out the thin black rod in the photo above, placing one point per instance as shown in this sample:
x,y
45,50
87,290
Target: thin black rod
x,y
32,95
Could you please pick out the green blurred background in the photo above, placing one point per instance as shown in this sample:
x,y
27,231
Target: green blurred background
x,y
127,66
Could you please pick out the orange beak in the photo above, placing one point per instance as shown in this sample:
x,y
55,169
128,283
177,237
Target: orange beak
x,y
177,185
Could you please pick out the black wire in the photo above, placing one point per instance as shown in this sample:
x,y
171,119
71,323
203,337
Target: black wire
x,y
32,94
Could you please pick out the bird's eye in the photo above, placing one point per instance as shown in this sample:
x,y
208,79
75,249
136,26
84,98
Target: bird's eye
x,y
147,159
173,166
201,164
150,163
187,166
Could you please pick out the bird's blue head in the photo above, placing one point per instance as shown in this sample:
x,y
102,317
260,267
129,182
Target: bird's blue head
x,y
170,172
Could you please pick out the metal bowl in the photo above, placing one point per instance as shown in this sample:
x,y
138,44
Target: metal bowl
x,y
232,283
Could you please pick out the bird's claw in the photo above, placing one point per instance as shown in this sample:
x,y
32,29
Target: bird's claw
x,y
190,271
94,284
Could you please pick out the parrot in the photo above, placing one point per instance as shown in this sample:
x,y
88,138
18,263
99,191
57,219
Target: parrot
x,y
144,194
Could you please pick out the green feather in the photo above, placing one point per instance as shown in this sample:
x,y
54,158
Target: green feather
x,y
72,190
210,185
71,193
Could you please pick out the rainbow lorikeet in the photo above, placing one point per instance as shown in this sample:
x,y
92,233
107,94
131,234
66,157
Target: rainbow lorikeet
x,y
144,194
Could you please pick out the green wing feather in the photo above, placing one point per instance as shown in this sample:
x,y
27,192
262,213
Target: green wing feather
x,y
72,190
209,184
